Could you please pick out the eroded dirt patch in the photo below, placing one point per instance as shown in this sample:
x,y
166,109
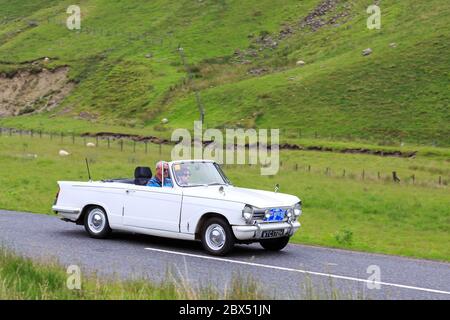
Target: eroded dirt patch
x,y
134,137
33,91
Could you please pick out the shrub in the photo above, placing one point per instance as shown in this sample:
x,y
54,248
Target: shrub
x,y
344,237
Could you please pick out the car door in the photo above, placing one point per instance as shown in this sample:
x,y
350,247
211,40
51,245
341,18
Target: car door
x,y
153,208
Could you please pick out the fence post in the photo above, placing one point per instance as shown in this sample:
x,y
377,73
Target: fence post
x,y
62,136
363,174
296,167
121,145
440,180
96,141
146,146
40,134
73,138
134,146
109,143
395,177
413,178
160,149
343,173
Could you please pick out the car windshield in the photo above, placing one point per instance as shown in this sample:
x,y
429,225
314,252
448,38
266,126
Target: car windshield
x,y
192,174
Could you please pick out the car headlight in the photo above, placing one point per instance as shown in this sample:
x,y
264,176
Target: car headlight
x,y
247,213
298,209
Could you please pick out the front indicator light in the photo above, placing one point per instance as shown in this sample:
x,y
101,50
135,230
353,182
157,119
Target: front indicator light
x,y
298,210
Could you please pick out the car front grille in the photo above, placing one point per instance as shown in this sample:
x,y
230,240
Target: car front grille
x,y
259,215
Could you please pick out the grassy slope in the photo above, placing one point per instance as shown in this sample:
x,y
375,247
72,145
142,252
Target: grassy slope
x,y
405,219
342,92
398,93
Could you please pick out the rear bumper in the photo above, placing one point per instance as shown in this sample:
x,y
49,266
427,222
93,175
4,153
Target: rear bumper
x,y
68,213
253,232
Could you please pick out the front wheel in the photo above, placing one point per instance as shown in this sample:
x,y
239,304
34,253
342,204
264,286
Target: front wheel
x,y
275,244
217,236
96,223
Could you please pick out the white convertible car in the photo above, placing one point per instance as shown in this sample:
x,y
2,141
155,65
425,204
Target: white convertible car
x,y
201,205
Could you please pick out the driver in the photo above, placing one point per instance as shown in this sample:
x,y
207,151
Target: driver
x,y
156,181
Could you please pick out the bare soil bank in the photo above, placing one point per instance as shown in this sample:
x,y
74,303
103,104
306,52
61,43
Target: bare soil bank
x,y
31,91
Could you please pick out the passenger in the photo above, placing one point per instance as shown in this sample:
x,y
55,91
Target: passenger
x,y
156,180
184,176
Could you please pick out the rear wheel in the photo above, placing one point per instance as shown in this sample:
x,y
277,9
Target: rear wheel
x,y
275,244
217,236
96,223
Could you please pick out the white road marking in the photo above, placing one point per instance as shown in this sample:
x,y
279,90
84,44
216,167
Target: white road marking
x,y
299,271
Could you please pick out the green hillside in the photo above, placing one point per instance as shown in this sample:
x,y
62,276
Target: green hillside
x,y
127,70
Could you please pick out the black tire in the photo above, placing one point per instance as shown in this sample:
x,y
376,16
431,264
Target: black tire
x,y
103,230
228,241
275,244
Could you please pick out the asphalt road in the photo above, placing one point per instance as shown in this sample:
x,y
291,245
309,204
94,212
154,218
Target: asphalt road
x,y
297,272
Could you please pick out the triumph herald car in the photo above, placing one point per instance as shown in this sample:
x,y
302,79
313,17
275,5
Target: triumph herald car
x,y
200,203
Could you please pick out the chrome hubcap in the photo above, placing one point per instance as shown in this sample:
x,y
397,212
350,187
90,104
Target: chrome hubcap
x,y
215,237
96,220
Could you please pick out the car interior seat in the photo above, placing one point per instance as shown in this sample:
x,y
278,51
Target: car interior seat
x,y
142,175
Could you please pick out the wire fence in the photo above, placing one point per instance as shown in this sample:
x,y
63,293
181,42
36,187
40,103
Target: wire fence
x,y
426,137
122,144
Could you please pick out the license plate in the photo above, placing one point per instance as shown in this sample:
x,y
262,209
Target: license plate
x,y
272,233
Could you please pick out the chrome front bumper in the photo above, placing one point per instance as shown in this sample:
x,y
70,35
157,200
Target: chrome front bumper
x,y
253,232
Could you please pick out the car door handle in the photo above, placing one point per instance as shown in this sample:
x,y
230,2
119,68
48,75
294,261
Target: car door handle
x,y
130,191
